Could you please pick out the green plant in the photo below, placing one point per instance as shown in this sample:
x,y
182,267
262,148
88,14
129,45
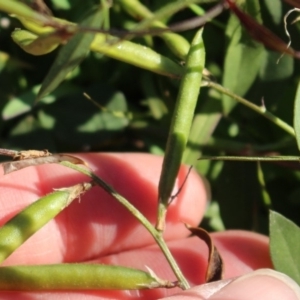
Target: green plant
x,y
68,123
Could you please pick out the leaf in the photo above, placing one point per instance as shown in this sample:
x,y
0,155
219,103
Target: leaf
x,y
212,217
285,245
62,4
24,103
203,126
274,8
274,67
80,123
156,105
215,267
262,34
242,61
297,116
37,45
71,55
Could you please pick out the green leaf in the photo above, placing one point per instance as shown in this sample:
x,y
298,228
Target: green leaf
x,y
274,67
28,134
62,4
153,100
4,59
297,116
71,55
34,44
275,10
285,245
176,43
203,126
242,61
25,102
76,121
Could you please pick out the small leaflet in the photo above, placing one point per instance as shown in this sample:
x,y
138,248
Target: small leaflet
x,y
215,266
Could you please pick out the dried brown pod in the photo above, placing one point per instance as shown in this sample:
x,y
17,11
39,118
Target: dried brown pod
x,y
24,162
25,154
215,265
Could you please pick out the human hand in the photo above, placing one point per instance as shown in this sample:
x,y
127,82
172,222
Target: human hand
x,y
98,229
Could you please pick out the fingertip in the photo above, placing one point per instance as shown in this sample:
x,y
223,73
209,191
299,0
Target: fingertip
x,y
262,284
98,224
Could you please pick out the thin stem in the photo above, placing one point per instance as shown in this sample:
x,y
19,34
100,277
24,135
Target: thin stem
x,y
252,158
8,152
165,249
139,216
259,109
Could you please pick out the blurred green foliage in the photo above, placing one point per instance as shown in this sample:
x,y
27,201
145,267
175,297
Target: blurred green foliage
x,y
135,106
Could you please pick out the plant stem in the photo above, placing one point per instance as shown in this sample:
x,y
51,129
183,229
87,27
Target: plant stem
x,y
252,158
139,216
259,109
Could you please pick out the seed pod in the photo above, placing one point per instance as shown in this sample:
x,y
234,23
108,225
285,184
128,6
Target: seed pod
x,y
40,29
126,51
176,43
17,230
23,10
137,55
181,124
25,154
77,277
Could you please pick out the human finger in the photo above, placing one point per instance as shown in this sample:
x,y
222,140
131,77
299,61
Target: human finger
x,y
263,284
97,225
190,253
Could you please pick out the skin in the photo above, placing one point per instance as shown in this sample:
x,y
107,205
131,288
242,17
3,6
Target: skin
x,y
98,229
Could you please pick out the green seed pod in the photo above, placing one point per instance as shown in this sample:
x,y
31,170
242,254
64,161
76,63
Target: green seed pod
x,y
137,55
126,51
36,45
40,29
17,230
176,43
77,277
23,10
181,124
